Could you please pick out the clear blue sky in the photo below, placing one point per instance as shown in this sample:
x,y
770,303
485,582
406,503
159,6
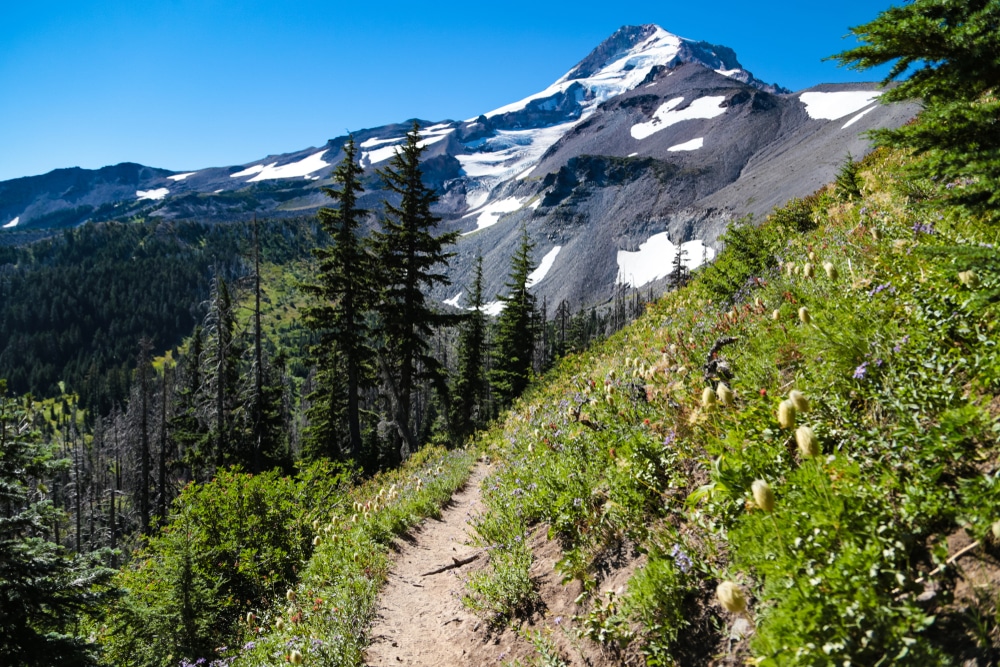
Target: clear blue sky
x,y
187,84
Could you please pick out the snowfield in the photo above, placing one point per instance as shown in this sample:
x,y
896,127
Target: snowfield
x,y
490,215
655,258
12,223
665,116
303,167
181,177
692,145
832,106
538,274
158,193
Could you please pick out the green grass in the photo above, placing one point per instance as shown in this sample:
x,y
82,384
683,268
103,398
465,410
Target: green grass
x,y
900,365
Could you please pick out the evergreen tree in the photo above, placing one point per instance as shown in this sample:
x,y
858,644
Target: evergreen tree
x,y
847,185
950,47
410,258
345,290
43,590
469,407
517,327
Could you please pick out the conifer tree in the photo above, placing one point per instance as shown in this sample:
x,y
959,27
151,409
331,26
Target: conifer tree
x,y
469,407
410,260
43,590
949,48
344,289
516,329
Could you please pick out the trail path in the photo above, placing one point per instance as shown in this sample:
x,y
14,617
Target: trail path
x,y
421,619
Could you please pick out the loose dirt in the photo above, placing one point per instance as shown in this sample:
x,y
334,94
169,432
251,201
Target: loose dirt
x,y
421,619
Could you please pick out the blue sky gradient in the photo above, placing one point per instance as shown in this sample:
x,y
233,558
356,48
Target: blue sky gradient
x,y
187,84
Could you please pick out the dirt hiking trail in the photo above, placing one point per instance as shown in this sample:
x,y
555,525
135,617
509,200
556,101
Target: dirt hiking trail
x,y
421,619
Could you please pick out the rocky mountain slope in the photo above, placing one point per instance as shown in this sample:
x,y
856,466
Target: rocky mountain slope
x,y
650,141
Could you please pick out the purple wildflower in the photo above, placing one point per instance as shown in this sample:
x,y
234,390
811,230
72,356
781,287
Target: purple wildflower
x,y
681,559
859,372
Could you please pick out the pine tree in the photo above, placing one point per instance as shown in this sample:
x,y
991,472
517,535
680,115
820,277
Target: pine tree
x,y
410,258
345,289
517,327
469,408
951,47
43,591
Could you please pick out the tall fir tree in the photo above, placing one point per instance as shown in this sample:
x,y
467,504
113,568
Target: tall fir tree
x,y
345,290
411,259
43,590
470,408
516,329
944,54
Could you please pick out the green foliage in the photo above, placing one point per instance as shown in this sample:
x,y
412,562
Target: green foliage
x,y
232,545
408,255
72,308
470,405
44,591
899,363
516,329
943,52
344,292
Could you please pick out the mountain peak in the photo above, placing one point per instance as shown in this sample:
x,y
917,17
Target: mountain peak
x,y
635,50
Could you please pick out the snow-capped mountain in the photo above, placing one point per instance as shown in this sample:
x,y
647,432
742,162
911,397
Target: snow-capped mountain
x,y
649,142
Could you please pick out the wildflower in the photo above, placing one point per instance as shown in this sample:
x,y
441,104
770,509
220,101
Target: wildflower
x,y
707,397
290,595
799,400
250,618
295,657
812,256
831,270
968,278
859,372
996,530
279,625
900,344
317,541
790,268
725,394
681,559
808,270
731,596
776,315
763,495
806,439
786,414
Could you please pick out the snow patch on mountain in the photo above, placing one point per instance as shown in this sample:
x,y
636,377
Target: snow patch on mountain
x,y
158,193
858,117
181,177
692,145
538,274
493,308
12,223
665,116
303,167
453,301
836,105
655,258
490,214
431,135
